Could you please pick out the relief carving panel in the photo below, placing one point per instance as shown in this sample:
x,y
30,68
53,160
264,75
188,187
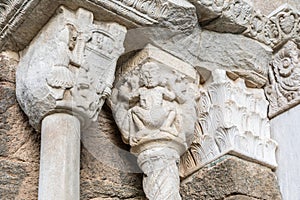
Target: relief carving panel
x,y
154,105
281,25
282,90
69,67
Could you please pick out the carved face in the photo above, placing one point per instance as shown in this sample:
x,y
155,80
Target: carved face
x,y
98,39
151,75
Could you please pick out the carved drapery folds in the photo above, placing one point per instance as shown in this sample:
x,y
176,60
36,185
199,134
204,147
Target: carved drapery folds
x,y
233,119
154,106
69,67
283,89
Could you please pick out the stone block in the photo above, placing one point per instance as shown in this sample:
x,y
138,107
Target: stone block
x,y
235,52
229,176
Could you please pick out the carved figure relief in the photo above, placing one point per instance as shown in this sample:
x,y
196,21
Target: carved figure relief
x,y
150,102
284,75
76,65
154,106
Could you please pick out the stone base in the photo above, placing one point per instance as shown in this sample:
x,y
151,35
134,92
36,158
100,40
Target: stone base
x,y
231,178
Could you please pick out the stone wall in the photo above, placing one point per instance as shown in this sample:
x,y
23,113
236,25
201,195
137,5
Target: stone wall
x,y
19,143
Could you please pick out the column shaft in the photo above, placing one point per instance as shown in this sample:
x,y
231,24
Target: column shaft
x,y
60,158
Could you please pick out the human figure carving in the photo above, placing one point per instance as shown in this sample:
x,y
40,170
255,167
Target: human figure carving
x,y
149,113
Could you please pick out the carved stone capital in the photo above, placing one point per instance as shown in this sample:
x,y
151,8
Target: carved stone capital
x,y
283,90
233,120
69,67
154,105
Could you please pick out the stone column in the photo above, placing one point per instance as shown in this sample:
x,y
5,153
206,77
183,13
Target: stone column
x,y
60,157
154,106
63,79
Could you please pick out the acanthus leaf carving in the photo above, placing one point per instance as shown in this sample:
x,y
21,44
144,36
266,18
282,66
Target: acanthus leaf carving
x,y
232,120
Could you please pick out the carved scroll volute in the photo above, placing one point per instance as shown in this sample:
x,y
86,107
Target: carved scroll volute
x,y
69,67
154,106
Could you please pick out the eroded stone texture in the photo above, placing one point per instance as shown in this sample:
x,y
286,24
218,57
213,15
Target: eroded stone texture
x,y
19,144
8,62
230,176
154,106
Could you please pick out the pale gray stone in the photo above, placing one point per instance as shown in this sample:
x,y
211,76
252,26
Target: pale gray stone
x,y
232,120
285,129
60,157
282,89
234,52
30,16
154,106
276,28
69,66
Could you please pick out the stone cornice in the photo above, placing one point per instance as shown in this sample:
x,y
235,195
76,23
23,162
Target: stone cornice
x,y
26,18
274,30
238,16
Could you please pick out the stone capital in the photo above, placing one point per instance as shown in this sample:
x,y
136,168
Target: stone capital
x,y
69,67
232,120
154,105
153,98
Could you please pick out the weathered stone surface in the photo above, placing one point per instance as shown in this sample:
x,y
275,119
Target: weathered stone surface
x,y
154,106
69,67
18,140
236,53
282,89
234,17
230,176
280,26
19,145
8,64
29,16
240,197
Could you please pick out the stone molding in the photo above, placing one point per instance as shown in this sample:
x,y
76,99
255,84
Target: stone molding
x,y
274,30
282,89
233,120
16,15
154,105
238,16
224,16
69,67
